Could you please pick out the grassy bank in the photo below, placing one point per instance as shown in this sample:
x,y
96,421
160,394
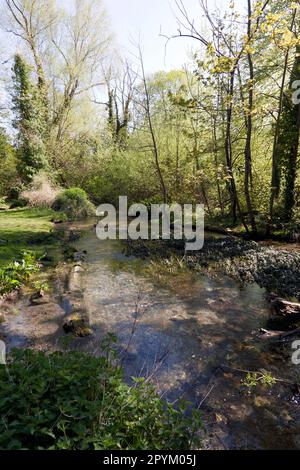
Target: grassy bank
x,y
24,229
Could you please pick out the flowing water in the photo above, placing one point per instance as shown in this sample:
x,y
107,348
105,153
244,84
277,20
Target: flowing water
x,y
188,334
180,331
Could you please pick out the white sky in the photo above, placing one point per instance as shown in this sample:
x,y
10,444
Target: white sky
x,y
131,19
144,19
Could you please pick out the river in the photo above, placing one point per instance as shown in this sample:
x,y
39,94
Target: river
x,y
188,334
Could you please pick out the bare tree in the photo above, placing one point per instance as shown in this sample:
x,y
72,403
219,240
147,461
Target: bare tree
x,y
30,20
67,48
147,109
120,91
81,42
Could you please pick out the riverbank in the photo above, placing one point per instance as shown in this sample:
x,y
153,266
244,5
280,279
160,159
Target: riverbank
x,y
275,269
25,229
65,382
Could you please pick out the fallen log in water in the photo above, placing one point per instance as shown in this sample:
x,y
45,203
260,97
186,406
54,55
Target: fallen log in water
x,y
221,231
279,336
283,307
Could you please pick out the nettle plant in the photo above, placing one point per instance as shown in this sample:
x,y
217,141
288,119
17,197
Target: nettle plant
x,y
74,401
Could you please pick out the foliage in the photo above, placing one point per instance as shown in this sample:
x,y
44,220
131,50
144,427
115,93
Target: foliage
x,y
41,286
30,121
8,171
18,272
253,379
73,401
288,142
225,127
74,203
18,203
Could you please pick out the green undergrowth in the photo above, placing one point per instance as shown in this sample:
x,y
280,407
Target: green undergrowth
x,y
18,272
74,401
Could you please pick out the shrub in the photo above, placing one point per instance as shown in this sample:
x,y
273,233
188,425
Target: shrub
x,y
14,198
151,200
14,192
8,169
17,203
74,203
74,401
42,192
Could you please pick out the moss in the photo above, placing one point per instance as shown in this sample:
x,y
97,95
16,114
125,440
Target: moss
x,y
77,325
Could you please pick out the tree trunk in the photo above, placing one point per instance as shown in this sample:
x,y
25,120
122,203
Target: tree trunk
x,y
228,153
248,155
215,147
290,141
235,205
152,133
275,182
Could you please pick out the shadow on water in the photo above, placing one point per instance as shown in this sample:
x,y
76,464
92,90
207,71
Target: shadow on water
x,y
180,332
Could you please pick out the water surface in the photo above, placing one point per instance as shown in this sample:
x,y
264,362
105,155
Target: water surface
x,y
180,331
185,332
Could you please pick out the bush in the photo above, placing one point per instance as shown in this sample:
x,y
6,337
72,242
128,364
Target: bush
x,y
42,192
17,203
8,164
73,401
14,198
150,201
74,203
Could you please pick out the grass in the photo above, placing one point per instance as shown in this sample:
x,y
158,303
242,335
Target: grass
x,y
23,229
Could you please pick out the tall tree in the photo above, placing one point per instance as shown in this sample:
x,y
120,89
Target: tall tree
x,y
249,122
30,20
120,90
278,134
288,141
66,47
29,121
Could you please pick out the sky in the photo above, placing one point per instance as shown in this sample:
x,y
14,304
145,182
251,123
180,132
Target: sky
x,y
131,19
144,20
